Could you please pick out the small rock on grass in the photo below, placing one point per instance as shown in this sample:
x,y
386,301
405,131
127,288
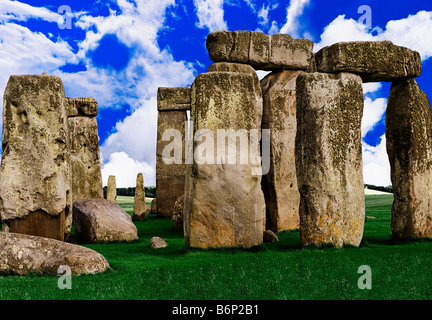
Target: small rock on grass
x,y
156,243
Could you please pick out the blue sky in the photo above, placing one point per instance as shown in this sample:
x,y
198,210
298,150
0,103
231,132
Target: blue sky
x,y
120,51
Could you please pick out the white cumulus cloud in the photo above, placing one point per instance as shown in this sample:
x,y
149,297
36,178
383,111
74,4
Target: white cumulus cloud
x,y
125,169
376,165
210,14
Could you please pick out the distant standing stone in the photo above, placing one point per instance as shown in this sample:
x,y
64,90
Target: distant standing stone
x,y
139,212
156,243
409,148
177,218
112,189
153,206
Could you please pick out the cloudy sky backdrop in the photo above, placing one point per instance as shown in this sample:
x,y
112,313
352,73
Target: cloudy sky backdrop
x,y
120,51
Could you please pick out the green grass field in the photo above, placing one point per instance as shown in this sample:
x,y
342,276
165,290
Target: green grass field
x,y
282,270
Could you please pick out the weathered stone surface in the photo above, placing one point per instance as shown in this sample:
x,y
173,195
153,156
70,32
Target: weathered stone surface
x,y
24,254
280,183
288,53
409,145
86,174
153,206
111,189
270,236
139,211
170,174
157,242
178,213
177,98
224,203
230,67
35,173
102,221
329,158
261,51
81,107
372,60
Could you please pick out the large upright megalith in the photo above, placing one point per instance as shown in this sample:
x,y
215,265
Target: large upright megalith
x,y
112,189
329,158
280,183
409,147
170,149
35,195
86,174
224,203
139,210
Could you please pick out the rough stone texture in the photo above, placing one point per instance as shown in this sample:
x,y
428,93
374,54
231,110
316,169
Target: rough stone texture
x,y
280,183
156,243
102,221
170,177
24,254
178,213
81,107
35,173
139,211
153,206
261,51
329,158
409,147
372,60
177,98
111,189
270,236
224,203
86,174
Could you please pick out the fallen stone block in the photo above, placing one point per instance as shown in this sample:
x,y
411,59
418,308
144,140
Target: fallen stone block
x,y
102,221
24,254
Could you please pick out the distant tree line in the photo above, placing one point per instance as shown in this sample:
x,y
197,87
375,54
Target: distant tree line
x,y
379,188
150,192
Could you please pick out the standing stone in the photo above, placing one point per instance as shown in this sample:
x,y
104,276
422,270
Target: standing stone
x,y
409,147
35,196
112,189
170,166
224,203
329,158
280,183
153,206
139,211
86,174
178,213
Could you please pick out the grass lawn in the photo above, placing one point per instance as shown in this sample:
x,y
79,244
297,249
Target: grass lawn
x,y
282,270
